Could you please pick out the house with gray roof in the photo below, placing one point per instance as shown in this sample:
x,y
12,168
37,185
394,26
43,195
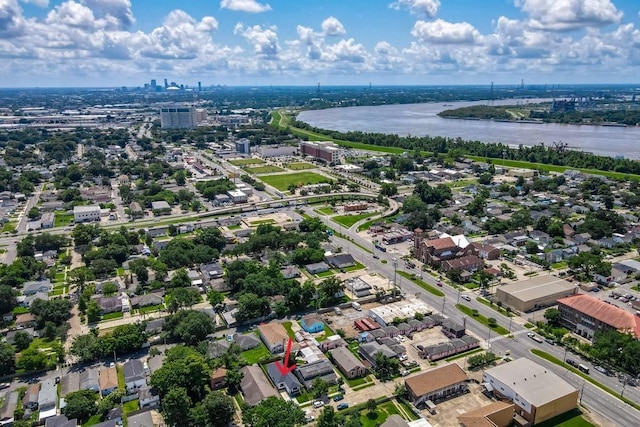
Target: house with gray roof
x,y
347,362
61,421
134,376
8,408
255,386
287,382
317,268
89,379
143,419
34,287
369,350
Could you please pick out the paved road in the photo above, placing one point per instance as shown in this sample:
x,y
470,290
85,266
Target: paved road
x,y
592,397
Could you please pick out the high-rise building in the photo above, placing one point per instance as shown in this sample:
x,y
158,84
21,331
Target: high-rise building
x,y
243,146
166,85
321,150
153,84
178,117
199,86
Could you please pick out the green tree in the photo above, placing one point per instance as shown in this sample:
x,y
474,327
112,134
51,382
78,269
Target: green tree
x,y
485,178
388,189
372,405
7,299
33,213
273,412
328,418
85,347
22,340
329,288
81,405
94,312
218,408
175,406
7,359
214,297
319,387
553,316
233,379
180,279
190,326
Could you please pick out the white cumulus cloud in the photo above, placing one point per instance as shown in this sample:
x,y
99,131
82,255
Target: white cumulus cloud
x,y
444,32
418,7
332,27
39,3
563,15
264,40
250,6
120,10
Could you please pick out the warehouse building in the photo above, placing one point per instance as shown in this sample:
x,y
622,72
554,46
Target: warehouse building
x,y
538,393
405,309
535,293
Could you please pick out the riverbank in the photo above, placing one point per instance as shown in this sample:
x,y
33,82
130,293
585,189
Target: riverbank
x,y
283,121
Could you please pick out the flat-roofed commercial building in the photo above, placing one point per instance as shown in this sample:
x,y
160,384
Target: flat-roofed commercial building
x,y
535,293
538,393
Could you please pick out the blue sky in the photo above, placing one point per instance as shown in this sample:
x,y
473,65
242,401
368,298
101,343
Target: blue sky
x,y
303,42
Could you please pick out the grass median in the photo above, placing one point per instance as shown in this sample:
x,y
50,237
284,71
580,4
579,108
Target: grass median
x,y
424,285
551,358
481,319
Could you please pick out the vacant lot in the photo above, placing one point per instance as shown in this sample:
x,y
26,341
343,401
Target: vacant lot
x,y
282,182
244,162
298,166
349,220
264,169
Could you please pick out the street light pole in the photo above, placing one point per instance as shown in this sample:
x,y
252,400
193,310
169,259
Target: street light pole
x,y
564,359
582,391
395,273
444,301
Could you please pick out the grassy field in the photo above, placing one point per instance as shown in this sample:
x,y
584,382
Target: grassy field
x,y
298,166
379,416
62,219
355,267
282,182
244,162
349,220
262,221
287,327
481,319
264,169
151,308
325,211
424,285
494,307
325,274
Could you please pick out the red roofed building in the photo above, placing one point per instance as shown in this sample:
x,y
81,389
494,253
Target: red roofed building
x,y
586,315
433,251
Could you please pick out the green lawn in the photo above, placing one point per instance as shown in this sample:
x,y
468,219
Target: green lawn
x,y
255,355
121,383
19,310
264,169
379,416
559,265
325,211
234,227
59,277
56,291
358,266
325,274
111,316
494,307
568,419
62,219
424,285
298,166
262,221
96,419
349,220
151,308
130,406
9,226
481,319
282,182
287,326
244,162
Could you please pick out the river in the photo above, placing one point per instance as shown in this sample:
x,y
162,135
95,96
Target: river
x,y
422,119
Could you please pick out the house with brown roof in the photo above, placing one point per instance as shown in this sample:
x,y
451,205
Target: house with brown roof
x,y
107,381
274,336
586,315
25,320
467,263
486,251
437,384
433,251
495,414
218,378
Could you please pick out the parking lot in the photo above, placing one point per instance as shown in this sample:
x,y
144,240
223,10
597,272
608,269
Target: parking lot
x,y
447,412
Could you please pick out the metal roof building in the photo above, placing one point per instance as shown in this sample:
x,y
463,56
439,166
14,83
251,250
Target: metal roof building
x,y
535,293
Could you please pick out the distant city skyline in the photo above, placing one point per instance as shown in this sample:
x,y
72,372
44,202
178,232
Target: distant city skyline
x,y
101,43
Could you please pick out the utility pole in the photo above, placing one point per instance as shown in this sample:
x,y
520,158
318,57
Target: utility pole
x,y
444,301
395,274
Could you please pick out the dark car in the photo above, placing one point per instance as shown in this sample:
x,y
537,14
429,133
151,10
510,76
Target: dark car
x,y
342,406
338,398
572,363
376,257
439,284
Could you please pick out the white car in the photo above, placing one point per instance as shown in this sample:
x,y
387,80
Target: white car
x,y
465,297
318,404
